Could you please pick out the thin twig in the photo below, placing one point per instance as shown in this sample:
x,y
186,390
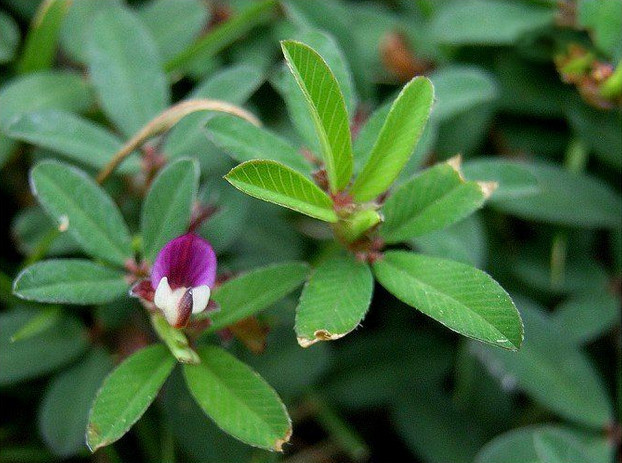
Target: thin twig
x,y
166,121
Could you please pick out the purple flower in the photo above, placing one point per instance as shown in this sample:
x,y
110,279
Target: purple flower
x,y
182,275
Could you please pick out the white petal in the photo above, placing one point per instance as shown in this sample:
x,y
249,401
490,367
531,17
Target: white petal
x,y
167,300
200,298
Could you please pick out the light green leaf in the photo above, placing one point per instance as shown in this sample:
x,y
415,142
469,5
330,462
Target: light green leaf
x,y
37,355
512,178
397,139
278,184
126,71
586,316
75,138
174,24
531,445
44,90
168,205
83,209
70,395
552,371
458,89
565,198
334,301
70,281
368,134
464,299
326,105
9,37
244,141
42,39
434,199
488,22
255,291
239,401
221,36
126,394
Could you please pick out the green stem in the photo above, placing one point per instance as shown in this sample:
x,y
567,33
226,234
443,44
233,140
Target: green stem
x,y
340,431
167,444
175,340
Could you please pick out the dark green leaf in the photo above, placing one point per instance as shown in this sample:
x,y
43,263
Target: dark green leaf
x,y
9,37
83,209
70,395
43,90
125,68
75,138
512,178
168,205
70,281
174,24
40,354
40,44
244,141
551,370
488,22
565,198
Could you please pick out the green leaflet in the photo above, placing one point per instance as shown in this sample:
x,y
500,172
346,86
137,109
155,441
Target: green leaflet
x,y
70,281
432,200
239,401
278,184
75,138
462,298
552,370
126,394
126,70
326,105
168,205
42,39
396,141
83,209
334,301
244,141
70,395
43,90
255,291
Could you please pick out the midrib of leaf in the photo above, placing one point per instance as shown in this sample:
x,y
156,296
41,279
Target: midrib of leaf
x,y
237,398
102,231
119,424
437,292
76,284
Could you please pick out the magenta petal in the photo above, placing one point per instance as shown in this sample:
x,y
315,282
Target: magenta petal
x,y
187,261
